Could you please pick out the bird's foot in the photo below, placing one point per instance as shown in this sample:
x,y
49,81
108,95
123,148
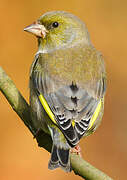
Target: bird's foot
x,y
76,150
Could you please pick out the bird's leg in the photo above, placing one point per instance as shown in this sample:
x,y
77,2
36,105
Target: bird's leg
x,y
37,133
76,150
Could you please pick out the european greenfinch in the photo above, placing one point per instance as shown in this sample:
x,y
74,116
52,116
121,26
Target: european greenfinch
x,y
67,83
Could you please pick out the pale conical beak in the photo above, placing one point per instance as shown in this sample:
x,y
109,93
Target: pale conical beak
x,y
36,29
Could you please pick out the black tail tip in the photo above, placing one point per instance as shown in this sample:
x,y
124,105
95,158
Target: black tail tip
x,y
60,158
67,168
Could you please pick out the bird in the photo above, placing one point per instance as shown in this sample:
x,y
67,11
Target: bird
x,y
67,83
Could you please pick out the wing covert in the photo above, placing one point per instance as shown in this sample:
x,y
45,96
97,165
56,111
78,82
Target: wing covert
x,y
69,107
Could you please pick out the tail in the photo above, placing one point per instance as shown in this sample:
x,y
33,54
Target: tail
x,y
60,154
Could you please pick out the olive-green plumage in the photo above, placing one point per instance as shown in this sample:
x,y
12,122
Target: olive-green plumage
x,y
69,73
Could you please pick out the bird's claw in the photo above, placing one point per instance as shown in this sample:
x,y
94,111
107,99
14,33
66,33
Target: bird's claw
x,y
76,150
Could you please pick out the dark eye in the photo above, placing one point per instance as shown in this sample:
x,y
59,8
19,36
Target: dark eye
x,y
55,24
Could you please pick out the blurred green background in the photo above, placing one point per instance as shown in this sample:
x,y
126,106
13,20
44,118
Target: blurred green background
x,y
20,157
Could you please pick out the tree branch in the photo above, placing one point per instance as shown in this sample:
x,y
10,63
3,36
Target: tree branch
x,y
20,106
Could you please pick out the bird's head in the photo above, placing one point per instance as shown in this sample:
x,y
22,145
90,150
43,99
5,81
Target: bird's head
x,y
58,29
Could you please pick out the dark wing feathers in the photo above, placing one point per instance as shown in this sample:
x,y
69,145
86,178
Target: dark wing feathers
x,y
63,119
69,103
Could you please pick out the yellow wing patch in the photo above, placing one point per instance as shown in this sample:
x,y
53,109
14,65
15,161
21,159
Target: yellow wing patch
x,y
47,108
52,117
96,113
73,123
